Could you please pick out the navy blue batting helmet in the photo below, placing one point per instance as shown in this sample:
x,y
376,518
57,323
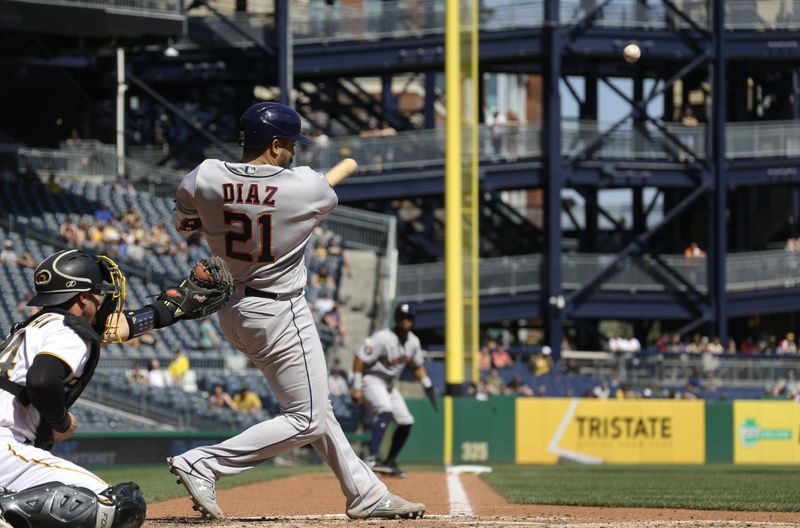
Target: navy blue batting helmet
x,y
263,122
405,310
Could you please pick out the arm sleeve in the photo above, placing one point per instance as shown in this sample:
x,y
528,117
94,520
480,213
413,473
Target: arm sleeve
x,y
187,218
45,386
324,199
371,351
418,359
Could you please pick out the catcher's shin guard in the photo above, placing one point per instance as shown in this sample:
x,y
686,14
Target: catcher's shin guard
x,y
56,505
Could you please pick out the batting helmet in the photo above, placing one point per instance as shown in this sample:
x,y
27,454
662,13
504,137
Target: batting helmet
x,y
405,310
65,274
263,122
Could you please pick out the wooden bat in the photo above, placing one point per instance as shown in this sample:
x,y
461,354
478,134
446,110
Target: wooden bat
x,y
340,171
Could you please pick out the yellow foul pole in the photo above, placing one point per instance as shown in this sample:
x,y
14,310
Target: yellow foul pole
x,y
454,277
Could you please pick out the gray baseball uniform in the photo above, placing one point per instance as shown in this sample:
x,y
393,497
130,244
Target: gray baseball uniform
x,y
259,219
384,359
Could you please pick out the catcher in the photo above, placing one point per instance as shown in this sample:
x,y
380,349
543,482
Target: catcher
x,y
47,361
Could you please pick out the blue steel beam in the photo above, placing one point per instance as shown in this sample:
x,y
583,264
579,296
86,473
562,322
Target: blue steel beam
x,y
529,174
616,305
719,194
554,168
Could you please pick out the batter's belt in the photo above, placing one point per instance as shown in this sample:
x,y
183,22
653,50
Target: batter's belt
x,y
252,292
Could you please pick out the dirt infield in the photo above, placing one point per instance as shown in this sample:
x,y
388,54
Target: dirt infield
x,y
315,500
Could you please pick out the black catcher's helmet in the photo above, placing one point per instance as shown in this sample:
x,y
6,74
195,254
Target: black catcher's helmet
x,y
63,275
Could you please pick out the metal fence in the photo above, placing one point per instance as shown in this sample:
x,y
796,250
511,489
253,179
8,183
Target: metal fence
x,y
319,22
720,371
362,229
161,8
92,159
519,274
426,148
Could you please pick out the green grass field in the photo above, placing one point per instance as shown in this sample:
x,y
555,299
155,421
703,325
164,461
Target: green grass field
x,y
711,487
724,487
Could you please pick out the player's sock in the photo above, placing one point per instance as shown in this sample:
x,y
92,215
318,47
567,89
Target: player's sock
x,y
378,431
398,441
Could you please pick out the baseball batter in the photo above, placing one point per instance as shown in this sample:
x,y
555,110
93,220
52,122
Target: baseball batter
x,y
258,215
45,363
376,369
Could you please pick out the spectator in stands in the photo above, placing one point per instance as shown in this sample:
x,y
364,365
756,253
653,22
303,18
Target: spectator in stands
x,y
496,123
323,304
156,377
602,391
541,362
24,309
513,124
103,214
131,217
178,367
694,386
9,255
337,262
484,359
323,281
516,387
220,399
247,401
135,251
138,376
787,387
493,382
788,346
123,186
334,320
689,121
500,356
208,339
570,367
693,252
69,231
52,187
161,241
337,380
94,241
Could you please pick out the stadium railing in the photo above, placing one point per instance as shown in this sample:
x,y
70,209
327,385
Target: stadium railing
x,y
519,274
159,8
419,149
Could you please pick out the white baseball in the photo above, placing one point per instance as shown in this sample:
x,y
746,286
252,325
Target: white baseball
x,y
631,53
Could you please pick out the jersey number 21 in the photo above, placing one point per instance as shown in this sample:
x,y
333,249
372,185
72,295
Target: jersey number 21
x,y
244,234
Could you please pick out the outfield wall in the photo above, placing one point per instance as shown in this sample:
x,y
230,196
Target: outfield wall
x,y
539,431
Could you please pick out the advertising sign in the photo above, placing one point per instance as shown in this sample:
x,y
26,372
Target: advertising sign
x,y
592,431
766,432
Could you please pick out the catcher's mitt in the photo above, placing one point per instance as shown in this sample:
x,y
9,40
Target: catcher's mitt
x,y
207,288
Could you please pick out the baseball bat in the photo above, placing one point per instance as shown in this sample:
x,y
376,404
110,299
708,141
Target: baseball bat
x,y
340,171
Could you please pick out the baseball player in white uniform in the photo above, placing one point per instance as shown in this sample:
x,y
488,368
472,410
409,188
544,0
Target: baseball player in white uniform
x,y
258,215
376,369
45,363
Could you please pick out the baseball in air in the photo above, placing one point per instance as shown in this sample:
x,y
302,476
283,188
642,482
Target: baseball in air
x,y
631,53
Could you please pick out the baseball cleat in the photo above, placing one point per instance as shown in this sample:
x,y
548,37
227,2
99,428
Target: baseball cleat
x,y
202,491
396,471
382,468
392,507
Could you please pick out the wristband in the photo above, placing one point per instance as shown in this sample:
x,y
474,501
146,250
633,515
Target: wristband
x,y
426,382
358,380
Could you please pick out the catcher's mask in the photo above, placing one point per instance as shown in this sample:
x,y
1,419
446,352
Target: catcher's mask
x,y
63,275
